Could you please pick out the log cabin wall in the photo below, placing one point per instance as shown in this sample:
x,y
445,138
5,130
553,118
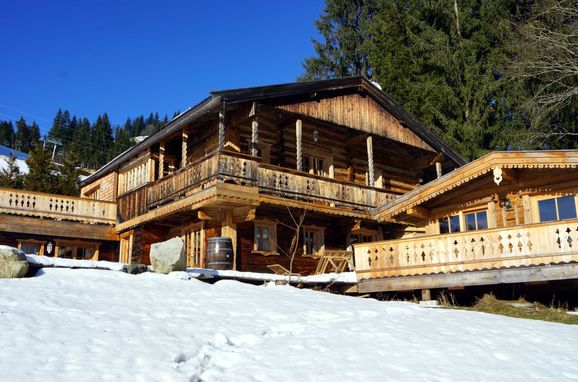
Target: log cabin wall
x,y
101,189
335,233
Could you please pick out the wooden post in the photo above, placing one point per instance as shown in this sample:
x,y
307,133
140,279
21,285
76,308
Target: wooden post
x,y
222,127
161,159
185,138
299,144
229,229
371,173
439,172
254,138
527,209
425,295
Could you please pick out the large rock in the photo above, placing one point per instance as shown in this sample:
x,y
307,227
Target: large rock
x,y
13,263
168,256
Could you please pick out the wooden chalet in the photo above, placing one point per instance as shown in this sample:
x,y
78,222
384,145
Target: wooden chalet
x,y
239,162
508,217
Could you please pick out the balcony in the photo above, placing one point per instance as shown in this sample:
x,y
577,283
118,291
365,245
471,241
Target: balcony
x,y
492,249
244,170
36,204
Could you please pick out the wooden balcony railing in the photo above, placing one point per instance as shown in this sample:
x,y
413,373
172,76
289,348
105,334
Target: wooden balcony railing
x,y
245,170
294,184
37,204
536,244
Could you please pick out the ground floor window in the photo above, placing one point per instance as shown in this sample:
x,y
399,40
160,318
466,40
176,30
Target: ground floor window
x,y
313,240
265,237
32,247
557,208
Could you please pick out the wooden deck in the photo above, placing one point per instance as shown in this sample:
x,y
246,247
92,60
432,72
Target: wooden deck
x,y
37,204
432,257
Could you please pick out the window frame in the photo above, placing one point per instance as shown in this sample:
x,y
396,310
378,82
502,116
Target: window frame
x,y
320,239
475,213
536,206
272,227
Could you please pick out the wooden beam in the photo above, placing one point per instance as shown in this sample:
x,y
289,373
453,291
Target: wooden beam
x,y
229,229
463,279
244,214
202,215
370,165
419,212
299,144
439,171
56,228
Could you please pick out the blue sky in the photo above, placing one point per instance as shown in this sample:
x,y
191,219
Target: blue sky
x,y
128,58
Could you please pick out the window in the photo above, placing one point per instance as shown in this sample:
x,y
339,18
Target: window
x,y
313,240
265,237
560,208
476,220
84,253
362,238
449,224
314,165
30,248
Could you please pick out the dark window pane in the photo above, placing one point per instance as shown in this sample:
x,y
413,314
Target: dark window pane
x,y
470,222
566,207
454,223
444,228
482,220
547,210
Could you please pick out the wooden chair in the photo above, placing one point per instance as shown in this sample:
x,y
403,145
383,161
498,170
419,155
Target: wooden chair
x,y
334,261
278,269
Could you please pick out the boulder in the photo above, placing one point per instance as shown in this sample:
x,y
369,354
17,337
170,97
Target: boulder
x,y
13,263
135,269
168,256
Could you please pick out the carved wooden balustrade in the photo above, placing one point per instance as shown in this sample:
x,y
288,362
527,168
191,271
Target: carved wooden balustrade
x,y
293,184
37,204
244,170
536,244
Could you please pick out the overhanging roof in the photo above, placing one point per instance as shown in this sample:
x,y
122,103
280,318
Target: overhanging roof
x,y
472,171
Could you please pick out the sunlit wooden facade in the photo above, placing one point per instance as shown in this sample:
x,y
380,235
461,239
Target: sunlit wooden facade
x,y
242,161
508,217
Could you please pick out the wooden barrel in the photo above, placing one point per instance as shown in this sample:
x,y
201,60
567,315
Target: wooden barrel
x,y
219,253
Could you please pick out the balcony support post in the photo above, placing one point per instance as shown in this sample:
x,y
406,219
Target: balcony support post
x,y
299,144
439,172
370,167
161,159
184,143
222,127
255,137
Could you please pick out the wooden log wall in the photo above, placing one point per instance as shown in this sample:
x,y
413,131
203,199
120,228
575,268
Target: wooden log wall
x,y
335,238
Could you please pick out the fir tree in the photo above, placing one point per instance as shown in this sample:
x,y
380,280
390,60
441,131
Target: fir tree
x,y
344,26
7,134
40,175
11,177
68,178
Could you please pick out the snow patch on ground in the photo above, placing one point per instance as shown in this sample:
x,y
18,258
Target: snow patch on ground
x,y
89,325
19,162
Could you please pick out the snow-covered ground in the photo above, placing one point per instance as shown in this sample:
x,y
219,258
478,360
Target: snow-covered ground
x,y
96,325
19,162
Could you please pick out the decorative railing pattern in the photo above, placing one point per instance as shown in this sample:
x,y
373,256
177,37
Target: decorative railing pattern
x,y
546,243
245,170
37,204
288,184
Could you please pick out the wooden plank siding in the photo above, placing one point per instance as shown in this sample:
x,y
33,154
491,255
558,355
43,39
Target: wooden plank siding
x,y
358,112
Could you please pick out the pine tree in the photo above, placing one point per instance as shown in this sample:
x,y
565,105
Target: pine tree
x,y
10,176
102,139
40,175
344,26
7,134
68,178
22,136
